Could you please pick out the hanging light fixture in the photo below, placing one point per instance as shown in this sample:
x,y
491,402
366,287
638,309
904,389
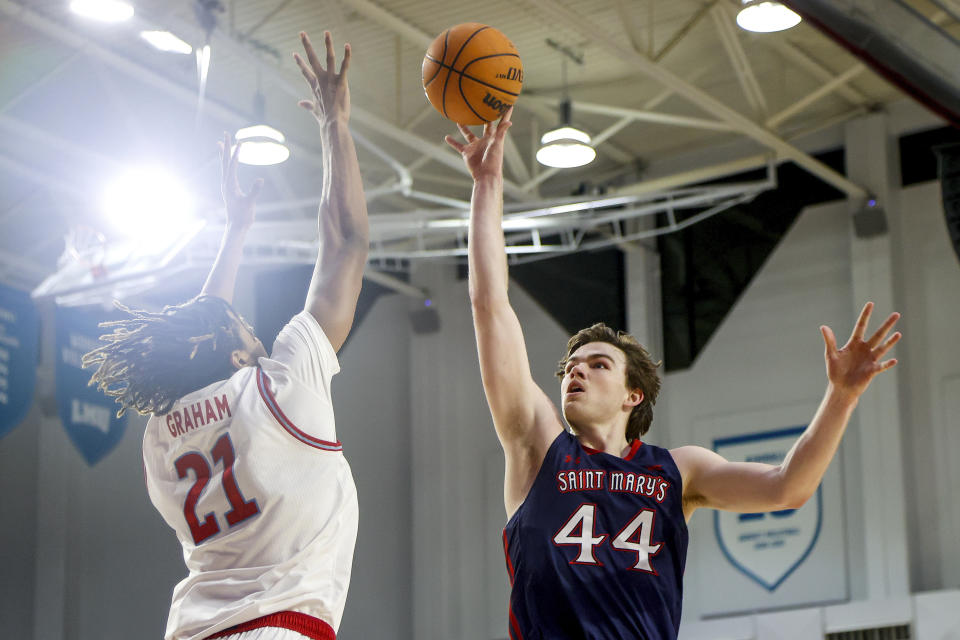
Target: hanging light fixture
x,y
262,144
763,16
566,146
166,41
103,10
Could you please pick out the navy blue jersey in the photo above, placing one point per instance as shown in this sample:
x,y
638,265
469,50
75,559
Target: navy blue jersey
x,y
598,546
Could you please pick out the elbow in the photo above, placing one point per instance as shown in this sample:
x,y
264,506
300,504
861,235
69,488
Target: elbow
x,y
794,498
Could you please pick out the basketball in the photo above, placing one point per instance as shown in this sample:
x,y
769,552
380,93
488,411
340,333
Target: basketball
x,y
472,73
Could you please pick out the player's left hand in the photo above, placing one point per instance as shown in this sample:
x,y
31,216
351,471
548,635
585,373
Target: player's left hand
x,y
331,94
851,368
239,204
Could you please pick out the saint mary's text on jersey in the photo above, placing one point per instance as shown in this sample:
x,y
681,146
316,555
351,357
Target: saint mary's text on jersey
x,y
619,482
198,414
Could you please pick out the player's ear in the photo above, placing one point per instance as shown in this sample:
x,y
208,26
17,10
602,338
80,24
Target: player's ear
x,y
240,358
634,398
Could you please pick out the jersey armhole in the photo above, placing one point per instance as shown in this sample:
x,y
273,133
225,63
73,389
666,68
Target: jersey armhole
x,y
266,394
536,476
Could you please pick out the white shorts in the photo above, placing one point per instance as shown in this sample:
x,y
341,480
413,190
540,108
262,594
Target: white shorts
x,y
267,633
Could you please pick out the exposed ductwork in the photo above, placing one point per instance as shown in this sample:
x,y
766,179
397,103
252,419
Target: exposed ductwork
x,y
896,41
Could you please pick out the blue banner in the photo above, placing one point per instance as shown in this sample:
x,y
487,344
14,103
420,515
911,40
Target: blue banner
x,y
89,416
19,346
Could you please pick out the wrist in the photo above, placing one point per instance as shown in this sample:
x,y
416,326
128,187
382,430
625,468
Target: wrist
x,y
841,396
236,229
334,125
488,180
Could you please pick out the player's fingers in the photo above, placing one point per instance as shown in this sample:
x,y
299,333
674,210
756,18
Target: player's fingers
x,y
311,54
861,326
886,346
488,128
465,131
224,154
453,143
502,129
507,115
889,364
331,56
829,340
346,60
234,159
881,333
306,71
306,104
255,189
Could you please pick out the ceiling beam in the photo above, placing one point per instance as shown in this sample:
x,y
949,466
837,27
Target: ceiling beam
x,y
739,61
605,40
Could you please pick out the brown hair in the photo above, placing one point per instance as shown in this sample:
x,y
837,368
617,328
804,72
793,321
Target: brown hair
x,y
641,371
151,360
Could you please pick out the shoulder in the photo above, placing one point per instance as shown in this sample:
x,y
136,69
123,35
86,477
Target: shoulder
x,y
691,459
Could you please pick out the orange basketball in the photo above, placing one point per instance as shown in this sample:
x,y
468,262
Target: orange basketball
x,y
472,73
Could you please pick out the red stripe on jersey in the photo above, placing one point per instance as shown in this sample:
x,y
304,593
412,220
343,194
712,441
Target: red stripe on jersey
x,y
263,384
506,552
514,625
311,627
634,447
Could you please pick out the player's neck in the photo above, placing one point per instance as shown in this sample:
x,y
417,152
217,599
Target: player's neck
x,y
608,438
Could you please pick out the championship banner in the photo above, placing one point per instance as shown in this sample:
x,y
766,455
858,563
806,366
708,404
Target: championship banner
x,y
88,416
19,350
792,557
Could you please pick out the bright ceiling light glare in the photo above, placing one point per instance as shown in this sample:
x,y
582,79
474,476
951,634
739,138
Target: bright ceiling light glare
x,y
262,145
166,41
149,204
565,148
103,10
766,17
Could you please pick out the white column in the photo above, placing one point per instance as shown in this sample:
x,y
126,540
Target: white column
x,y
54,467
872,161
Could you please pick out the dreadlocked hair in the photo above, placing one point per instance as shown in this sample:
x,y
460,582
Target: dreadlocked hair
x,y
151,360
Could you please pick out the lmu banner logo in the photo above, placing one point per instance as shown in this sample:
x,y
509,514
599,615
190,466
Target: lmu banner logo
x,y
767,547
89,417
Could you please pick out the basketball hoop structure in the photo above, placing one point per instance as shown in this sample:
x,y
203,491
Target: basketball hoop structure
x,y
87,248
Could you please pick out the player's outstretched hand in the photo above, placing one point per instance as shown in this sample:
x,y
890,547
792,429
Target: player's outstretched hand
x,y
853,366
483,154
331,94
239,204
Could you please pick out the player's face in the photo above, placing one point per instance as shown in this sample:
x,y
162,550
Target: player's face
x,y
594,387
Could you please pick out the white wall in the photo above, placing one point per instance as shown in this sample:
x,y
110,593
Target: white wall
x,y
460,582
930,356
764,365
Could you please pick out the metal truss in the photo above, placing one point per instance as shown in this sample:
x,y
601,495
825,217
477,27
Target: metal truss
x,y
532,231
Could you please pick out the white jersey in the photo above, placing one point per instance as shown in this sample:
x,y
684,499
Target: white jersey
x,y
249,473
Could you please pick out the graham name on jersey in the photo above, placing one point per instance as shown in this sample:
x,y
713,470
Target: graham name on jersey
x,y
618,482
198,414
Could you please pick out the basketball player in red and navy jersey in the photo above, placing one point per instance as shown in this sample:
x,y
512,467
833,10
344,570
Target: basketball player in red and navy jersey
x,y
596,536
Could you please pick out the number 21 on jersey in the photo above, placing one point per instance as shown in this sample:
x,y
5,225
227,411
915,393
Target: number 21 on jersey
x,y
240,508
634,537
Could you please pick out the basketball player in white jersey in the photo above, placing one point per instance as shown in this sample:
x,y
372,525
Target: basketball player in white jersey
x,y
240,453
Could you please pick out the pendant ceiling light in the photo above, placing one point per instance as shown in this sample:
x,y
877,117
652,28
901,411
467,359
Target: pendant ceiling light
x,y
763,16
566,146
262,144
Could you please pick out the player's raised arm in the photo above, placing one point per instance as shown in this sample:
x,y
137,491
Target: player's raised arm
x,y
344,230
712,481
525,419
223,274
